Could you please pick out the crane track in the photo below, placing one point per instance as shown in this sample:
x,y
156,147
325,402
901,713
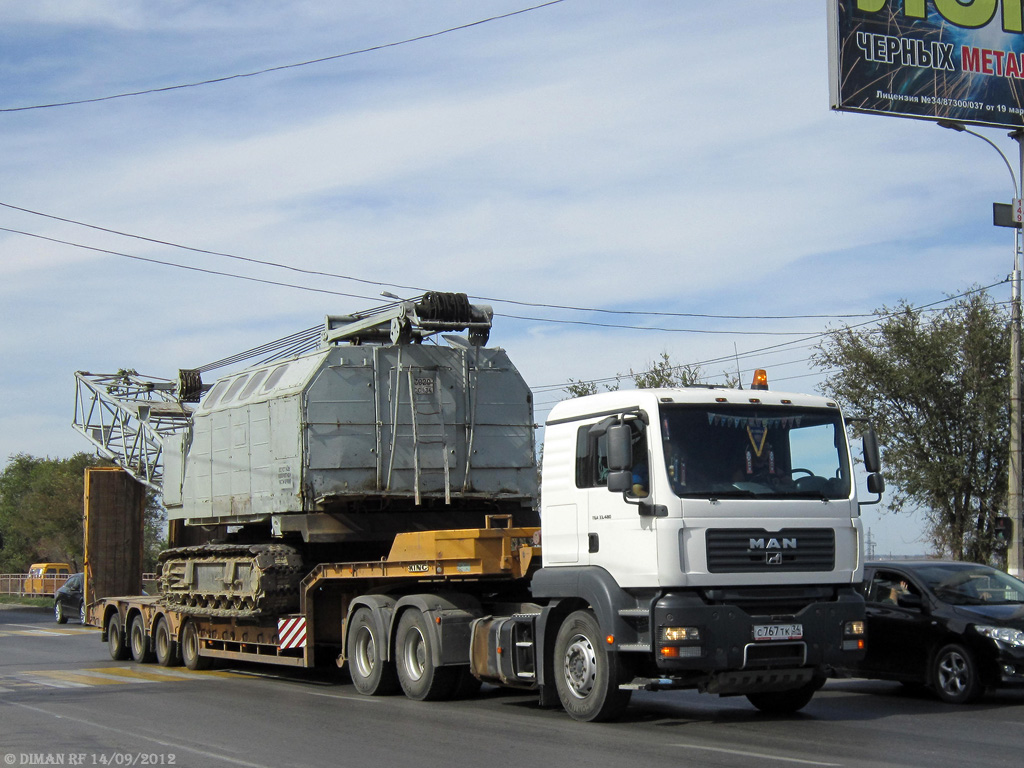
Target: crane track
x,y
231,580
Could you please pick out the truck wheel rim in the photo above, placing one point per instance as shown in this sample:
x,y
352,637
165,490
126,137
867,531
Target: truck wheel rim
x,y
365,652
953,674
580,666
415,654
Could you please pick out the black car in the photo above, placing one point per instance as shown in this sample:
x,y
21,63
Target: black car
x,y
69,600
957,628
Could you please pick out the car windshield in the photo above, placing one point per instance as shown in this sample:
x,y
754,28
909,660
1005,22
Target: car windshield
x,y
964,584
744,451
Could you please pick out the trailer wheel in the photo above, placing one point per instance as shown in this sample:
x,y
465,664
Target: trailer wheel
x,y
167,654
371,674
418,676
190,647
115,638
586,672
142,650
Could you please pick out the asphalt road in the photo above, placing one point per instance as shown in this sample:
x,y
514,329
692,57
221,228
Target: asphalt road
x,y
63,701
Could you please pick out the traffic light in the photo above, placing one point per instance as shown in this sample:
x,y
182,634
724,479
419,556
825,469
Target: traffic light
x,y
1003,529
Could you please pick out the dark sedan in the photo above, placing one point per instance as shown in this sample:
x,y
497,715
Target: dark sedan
x,y
957,628
69,600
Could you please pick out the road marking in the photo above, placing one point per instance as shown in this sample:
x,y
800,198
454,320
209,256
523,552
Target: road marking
x,y
85,678
119,730
759,755
31,631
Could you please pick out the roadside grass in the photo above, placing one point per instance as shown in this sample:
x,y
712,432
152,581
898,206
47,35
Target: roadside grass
x,y
37,602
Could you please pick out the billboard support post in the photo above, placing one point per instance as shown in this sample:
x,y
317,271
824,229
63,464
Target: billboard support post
x,y
1015,486
1015,546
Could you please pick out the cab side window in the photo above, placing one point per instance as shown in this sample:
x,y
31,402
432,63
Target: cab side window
x,y
591,459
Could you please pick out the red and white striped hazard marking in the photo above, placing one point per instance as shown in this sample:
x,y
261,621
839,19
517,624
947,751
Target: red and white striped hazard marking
x,y
291,633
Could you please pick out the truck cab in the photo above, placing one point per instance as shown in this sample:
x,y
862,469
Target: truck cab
x,y
714,533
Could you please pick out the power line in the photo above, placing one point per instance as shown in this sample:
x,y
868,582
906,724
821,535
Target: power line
x,y
419,289
186,266
783,346
281,67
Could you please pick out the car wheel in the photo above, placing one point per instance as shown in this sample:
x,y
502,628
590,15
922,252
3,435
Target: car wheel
x,y
82,617
58,613
955,677
115,638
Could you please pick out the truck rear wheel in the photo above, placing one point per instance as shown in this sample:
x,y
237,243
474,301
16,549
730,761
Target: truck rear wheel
x,y
142,650
419,677
190,647
371,675
115,638
167,654
587,673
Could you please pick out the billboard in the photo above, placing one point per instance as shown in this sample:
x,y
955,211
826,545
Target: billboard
x,y
959,60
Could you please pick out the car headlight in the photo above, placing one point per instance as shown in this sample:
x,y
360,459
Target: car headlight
x,y
1011,637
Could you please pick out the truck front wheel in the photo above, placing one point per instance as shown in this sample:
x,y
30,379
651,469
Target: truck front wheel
x,y
784,702
587,673
414,661
371,674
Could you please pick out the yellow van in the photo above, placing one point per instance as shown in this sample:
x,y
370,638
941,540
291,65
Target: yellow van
x,y
45,578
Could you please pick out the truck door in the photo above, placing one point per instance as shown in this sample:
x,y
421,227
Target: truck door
x,y
618,537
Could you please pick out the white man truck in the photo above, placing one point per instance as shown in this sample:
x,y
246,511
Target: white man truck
x,y
702,537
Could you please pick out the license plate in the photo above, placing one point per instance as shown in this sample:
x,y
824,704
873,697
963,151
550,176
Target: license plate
x,y
778,631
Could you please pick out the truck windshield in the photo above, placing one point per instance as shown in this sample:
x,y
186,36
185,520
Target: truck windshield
x,y
719,451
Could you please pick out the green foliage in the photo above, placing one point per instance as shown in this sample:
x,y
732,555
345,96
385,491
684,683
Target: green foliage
x,y
41,511
658,373
664,373
936,388
154,535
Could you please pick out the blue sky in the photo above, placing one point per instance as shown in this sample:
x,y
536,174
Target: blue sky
x,y
666,156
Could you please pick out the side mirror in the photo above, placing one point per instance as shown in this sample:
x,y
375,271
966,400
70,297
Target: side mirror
x,y
910,600
620,481
872,462
620,448
876,483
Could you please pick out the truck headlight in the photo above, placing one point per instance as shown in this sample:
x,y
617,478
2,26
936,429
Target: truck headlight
x,y
679,634
1011,637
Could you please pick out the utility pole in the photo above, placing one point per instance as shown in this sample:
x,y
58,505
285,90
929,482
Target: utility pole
x,y
1015,549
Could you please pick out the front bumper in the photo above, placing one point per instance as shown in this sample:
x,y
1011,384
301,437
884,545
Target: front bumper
x,y
725,635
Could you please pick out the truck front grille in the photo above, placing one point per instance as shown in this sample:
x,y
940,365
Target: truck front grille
x,y
755,550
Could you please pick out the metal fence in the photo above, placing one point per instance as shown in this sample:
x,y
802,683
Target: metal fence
x,y
14,584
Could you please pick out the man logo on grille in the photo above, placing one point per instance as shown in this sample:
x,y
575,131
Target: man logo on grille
x,y
773,558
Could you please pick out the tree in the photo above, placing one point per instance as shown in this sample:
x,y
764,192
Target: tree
x,y
41,510
658,373
936,388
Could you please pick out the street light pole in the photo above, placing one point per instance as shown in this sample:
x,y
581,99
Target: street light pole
x,y
1015,546
1015,550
